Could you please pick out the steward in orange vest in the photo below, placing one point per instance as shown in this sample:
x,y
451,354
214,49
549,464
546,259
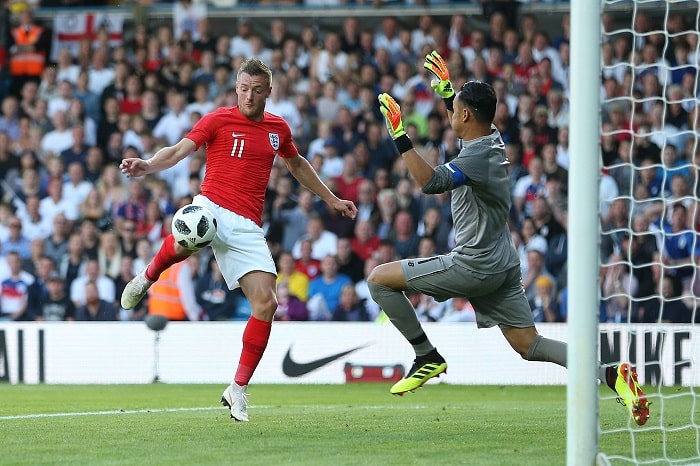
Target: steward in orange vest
x,y
166,298
29,50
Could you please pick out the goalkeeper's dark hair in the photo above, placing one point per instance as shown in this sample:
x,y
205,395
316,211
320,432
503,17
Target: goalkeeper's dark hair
x,y
481,100
255,67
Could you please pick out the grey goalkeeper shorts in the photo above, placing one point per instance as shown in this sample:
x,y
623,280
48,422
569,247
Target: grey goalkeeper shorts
x,y
498,299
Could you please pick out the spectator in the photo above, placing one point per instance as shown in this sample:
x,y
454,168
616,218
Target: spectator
x,y
34,225
305,263
134,208
330,62
297,282
349,181
176,120
213,295
678,244
366,202
14,289
673,309
543,304
542,132
639,249
56,244
112,188
289,307
528,188
99,72
61,101
323,242
186,18
60,138
42,268
105,285
294,221
144,248
403,235
93,208
109,254
326,289
387,201
545,224
364,241
95,308
9,117
90,100
614,229
456,310
126,273
16,241
349,263
56,306
74,262
350,307
536,251
54,203
154,227
618,288
76,188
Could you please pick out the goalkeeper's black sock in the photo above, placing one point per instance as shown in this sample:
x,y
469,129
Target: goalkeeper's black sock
x,y
611,377
432,356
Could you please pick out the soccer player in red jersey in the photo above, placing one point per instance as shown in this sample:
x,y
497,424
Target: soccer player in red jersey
x,y
241,145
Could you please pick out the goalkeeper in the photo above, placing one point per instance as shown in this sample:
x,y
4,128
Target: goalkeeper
x,y
484,265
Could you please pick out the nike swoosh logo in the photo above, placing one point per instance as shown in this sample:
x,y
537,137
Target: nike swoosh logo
x,y
236,135
291,368
506,162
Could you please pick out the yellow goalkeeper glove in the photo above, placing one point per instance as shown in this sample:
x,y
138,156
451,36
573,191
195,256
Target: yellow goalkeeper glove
x,y
441,84
392,116
436,65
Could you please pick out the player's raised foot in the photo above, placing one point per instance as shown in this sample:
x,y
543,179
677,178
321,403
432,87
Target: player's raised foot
x,y
236,399
135,290
424,368
630,394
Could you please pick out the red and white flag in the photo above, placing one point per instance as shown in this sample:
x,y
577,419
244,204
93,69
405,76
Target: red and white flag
x,y
70,28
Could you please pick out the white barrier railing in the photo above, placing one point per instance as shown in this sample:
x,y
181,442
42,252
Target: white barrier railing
x,y
109,353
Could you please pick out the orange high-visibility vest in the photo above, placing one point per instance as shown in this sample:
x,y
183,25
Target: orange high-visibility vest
x,y
164,295
27,63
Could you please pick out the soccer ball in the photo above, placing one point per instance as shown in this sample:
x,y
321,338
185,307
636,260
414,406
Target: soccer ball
x,y
194,227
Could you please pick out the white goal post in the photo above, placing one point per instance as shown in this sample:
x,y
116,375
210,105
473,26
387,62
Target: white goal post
x,y
655,76
583,230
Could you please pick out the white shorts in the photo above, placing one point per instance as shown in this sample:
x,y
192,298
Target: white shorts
x,y
240,246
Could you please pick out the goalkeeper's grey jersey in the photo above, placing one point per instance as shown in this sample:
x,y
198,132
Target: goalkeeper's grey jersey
x,y
480,207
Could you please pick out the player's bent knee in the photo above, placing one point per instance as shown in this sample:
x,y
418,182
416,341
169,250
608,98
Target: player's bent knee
x,y
264,309
376,276
377,290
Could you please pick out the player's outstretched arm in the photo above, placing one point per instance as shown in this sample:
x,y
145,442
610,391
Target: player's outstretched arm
x,y
421,170
302,170
163,159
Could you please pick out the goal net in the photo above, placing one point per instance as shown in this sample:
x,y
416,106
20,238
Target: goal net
x,y
650,224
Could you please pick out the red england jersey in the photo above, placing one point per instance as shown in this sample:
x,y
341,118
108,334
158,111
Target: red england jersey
x,y
240,153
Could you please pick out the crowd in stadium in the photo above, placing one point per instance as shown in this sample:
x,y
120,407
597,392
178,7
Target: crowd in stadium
x,y
74,231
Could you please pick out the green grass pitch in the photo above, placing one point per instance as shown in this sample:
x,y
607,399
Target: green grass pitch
x,y
354,424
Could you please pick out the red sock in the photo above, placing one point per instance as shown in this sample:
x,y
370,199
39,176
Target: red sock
x,y
164,258
255,337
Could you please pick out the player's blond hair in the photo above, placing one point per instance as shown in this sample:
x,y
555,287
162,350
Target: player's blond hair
x,y
255,67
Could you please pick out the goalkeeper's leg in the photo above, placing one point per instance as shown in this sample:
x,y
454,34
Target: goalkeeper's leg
x,y
509,308
386,284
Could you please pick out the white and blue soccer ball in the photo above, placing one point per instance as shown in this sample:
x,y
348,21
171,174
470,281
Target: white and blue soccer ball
x,y
193,227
